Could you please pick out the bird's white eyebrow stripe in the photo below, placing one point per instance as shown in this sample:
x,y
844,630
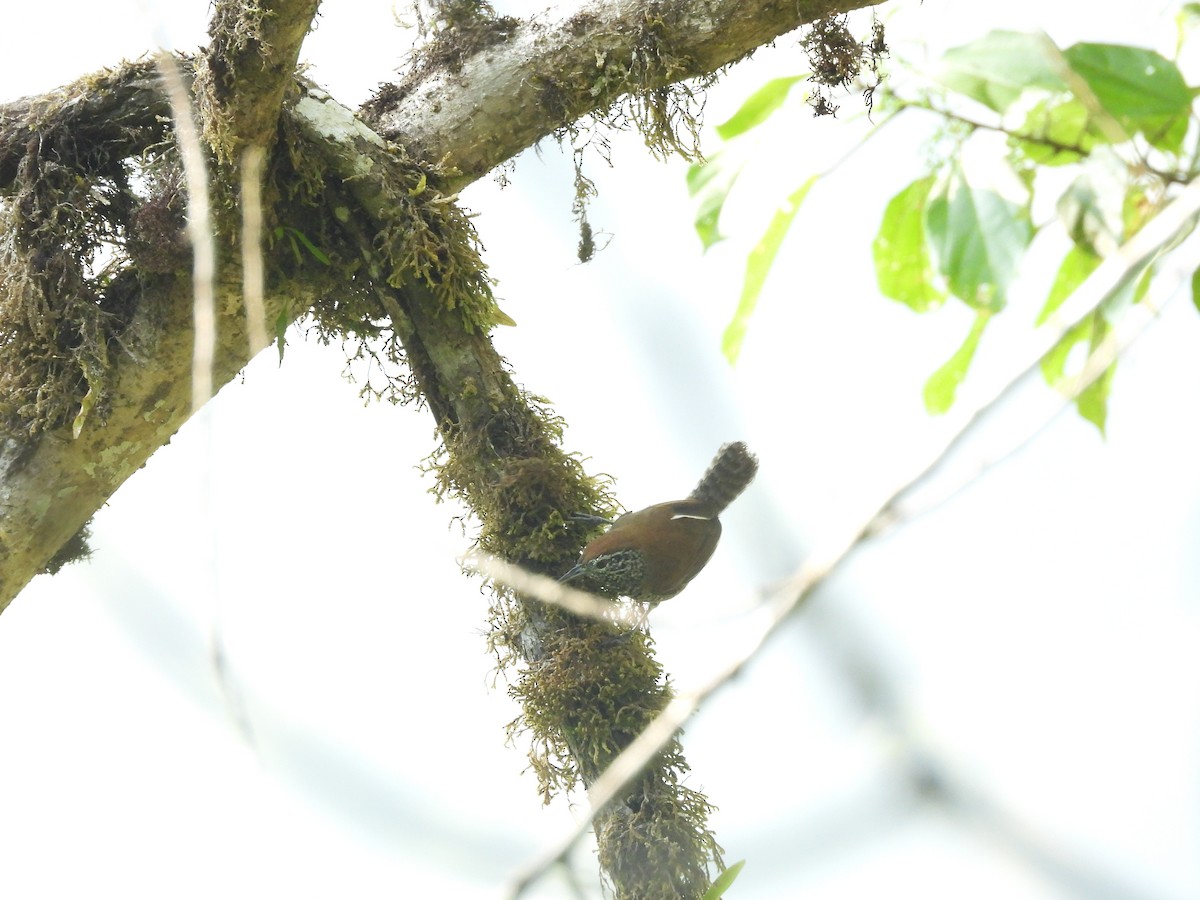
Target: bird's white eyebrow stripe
x,y
686,516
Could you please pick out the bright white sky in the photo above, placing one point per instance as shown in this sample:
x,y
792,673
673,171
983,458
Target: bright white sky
x,y
1039,631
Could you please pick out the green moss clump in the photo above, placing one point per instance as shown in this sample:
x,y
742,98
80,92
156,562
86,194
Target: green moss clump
x,y
67,292
76,549
457,31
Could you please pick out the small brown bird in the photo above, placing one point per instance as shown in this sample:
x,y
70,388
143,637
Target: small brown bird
x,y
652,554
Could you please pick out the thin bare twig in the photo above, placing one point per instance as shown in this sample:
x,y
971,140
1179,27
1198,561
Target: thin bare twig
x,y
547,590
1097,363
1157,235
204,316
253,161
199,229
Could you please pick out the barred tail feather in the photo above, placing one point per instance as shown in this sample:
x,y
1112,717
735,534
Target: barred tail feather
x,y
731,471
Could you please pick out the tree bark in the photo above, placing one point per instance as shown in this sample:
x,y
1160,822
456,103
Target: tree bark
x,y
463,110
50,485
549,74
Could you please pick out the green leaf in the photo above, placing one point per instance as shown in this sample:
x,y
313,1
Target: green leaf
x,y
758,266
1092,208
1075,268
943,384
1138,208
1185,20
1168,134
1056,132
711,181
1092,401
1196,289
1073,271
1142,285
724,881
758,107
978,239
1131,82
297,239
317,253
1054,363
996,69
1141,89
902,266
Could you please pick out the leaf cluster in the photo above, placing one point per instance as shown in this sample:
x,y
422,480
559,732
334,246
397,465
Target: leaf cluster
x,y
1103,134
1101,131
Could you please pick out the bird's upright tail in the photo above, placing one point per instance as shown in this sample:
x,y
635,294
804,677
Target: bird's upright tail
x,y
731,471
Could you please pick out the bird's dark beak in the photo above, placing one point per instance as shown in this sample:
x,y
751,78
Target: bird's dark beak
x,y
588,519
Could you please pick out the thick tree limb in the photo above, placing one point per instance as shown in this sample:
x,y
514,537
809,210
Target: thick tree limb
x,y
548,74
247,68
120,106
52,484
505,458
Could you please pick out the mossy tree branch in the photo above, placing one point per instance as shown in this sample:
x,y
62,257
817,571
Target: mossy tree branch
x,y
373,204
609,57
44,501
247,68
588,691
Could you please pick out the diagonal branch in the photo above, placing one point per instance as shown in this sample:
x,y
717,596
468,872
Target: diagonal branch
x,y
502,448
586,689
52,483
247,69
586,696
1162,232
546,75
